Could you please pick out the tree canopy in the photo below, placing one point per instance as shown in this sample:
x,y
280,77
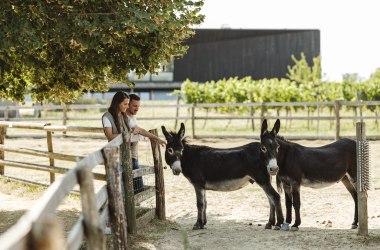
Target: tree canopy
x,y
56,49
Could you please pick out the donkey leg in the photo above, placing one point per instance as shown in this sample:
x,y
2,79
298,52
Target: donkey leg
x,y
201,206
272,217
351,188
274,200
204,210
288,203
297,206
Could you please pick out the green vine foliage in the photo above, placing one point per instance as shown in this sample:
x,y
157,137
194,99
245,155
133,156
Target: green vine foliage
x,y
57,49
304,85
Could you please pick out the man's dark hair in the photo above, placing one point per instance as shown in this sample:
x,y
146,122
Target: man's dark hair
x,y
133,96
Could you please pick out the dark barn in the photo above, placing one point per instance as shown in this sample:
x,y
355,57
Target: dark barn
x,y
214,54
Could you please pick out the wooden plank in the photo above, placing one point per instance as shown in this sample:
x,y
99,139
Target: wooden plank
x,y
74,129
27,125
92,230
215,105
50,149
150,118
128,183
146,218
234,117
362,194
38,167
193,121
101,197
115,199
167,106
11,178
16,119
76,235
159,178
2,136
360,103
46,233
337,120
143,170
86,106
40,153
149,191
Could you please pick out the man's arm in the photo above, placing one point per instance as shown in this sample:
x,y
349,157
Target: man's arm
x,y
143,132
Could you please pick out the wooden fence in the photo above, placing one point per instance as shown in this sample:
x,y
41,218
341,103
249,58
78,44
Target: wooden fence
x,y
254,112
26,233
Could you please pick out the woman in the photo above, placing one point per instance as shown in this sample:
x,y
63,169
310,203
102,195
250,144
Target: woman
x,y
115,120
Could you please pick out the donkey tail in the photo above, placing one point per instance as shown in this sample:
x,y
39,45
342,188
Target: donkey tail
x,y
279,184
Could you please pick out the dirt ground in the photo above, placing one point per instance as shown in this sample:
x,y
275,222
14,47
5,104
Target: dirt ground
x,y
235,219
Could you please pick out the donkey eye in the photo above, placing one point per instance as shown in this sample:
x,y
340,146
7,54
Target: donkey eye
x,y
170,151
263,149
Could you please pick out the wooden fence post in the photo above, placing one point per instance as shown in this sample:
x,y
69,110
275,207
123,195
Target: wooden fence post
x,y
49,139
46,234
64,122
159,178
362,193
262,112
337,120
128,183
91,221
6,113
318,114
2,136
193,120
176,113
252,110
115,197
359,105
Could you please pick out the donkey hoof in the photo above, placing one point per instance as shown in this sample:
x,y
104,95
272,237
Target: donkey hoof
x,y
293,228
197,227
268,226
354,226
285,227
276,227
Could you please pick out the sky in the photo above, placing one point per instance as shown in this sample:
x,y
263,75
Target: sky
x,y
350,29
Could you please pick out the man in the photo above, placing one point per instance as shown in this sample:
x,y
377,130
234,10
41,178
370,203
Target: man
x,y
133,108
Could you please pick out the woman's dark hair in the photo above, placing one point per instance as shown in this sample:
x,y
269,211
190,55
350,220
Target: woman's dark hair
x,y
118,98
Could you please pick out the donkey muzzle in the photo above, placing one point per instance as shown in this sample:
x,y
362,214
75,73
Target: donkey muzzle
x,y
176,168
272,167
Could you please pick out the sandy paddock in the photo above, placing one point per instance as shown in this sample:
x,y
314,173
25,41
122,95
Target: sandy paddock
x,y
235,219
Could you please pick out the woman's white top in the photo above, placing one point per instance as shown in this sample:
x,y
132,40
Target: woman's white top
x,y
132,122
107,123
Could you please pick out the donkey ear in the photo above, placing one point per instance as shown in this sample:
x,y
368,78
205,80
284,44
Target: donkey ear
x,y
276,127
165,132
264,127
181,131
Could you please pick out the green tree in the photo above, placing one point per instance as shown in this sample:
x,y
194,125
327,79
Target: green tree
x,y
375,75
302,73
56,49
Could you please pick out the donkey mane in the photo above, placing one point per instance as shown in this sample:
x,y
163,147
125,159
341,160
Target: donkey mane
x,y
282,138
185,140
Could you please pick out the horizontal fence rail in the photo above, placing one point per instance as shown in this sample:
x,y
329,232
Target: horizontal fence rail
x,y
203,112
